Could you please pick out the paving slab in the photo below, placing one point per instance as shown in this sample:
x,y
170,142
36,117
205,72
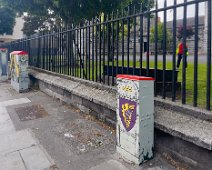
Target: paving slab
x,y
4,117
16,141
35,158
15,102
3,110
12,161
6,127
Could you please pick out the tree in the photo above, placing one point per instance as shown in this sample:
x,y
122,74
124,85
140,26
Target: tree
x,y
189,32
41,23
7,20
68,11
160,35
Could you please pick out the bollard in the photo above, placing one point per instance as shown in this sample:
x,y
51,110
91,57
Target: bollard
x,y
18,70
3,62
135,119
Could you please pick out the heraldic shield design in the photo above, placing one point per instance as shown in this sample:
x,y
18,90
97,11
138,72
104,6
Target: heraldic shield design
x,y
127,113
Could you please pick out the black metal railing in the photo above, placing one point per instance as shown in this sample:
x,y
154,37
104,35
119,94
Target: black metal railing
x,y
129,42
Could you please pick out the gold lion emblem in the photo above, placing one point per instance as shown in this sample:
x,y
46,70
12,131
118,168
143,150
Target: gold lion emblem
x,y
127,111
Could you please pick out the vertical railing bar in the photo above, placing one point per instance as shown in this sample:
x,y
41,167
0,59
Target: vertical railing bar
x,y
52,51
117,45
71,52
92,49
60,50
43,57
49,48
67,51
38,53
80,53
208,107
77,52
148,43
64,49
104,49
156,47
141,39
89,52
134,43
108,51
86,51
196,54
83,60
96,53
174,53
184,55
128,41
164,52
47,53
112,55
57,54
122,42
100,50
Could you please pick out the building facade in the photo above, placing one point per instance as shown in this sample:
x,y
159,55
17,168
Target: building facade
x,y
17,32
206,27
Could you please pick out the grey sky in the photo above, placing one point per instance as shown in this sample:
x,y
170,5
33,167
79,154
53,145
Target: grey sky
x,y
190,9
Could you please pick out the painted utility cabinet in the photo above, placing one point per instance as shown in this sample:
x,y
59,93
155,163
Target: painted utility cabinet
x,y
18,70
3,62
135,119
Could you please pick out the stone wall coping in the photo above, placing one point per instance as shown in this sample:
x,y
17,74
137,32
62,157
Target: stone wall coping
x,y
190,124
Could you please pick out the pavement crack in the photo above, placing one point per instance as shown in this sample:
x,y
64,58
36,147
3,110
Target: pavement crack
x,y
20,149
22,160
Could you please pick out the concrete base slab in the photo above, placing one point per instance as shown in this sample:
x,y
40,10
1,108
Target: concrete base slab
x,y
3,78
11,162
154,168
35,159
111,165
127,156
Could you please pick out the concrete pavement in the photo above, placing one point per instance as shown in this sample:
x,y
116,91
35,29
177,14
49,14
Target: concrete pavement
x,y
38,132
19,149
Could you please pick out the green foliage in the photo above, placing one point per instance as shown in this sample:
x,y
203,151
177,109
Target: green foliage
x,y
41,23
160,35
7,20
189,32
43,13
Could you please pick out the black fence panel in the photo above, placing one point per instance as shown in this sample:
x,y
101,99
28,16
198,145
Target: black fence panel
x,y
137,41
